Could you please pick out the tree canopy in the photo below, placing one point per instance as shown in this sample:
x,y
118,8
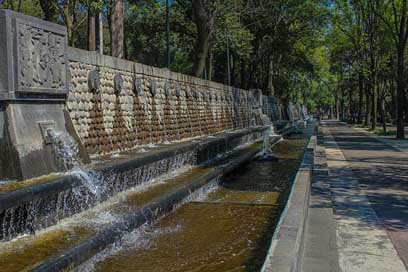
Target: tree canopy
x,y
345,58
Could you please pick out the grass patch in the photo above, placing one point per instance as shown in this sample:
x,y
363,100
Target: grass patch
x,y
384,133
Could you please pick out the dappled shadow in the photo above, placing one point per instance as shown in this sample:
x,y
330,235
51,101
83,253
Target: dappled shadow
x,y
387,191
382,174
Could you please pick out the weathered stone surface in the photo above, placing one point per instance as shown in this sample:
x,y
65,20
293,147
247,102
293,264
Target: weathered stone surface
x,y
34,54
153,106
33,87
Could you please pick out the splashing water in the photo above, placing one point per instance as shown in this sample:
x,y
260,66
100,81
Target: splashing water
x,y
95,188
141,237
272,131
66,149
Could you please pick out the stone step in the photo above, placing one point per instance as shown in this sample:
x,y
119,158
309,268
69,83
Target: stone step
x,y
29,206
78,238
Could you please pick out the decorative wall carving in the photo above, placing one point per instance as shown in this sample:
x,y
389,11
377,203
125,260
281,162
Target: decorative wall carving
x,y
41,59
138,86
118,83
153,87
33,58
94,80
167,90
178,90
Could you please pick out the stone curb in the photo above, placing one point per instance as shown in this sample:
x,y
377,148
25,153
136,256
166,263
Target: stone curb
x,y
286,245
78,254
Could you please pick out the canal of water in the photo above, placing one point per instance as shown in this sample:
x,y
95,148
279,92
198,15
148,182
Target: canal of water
x,y
227,229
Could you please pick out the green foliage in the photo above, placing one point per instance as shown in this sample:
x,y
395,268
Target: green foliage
x,y
293,48
29,7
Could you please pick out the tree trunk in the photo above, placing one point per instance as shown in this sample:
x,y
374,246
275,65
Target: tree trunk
x,y
400,93
91,30
232,65
360,99
374,101
337,108
382,112
210,65
69,24
117,29
99,33
351,110
49,10
367,120
204,21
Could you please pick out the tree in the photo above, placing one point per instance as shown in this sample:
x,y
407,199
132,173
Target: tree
x,y
116,29
49,9
204,18
91,29
395,17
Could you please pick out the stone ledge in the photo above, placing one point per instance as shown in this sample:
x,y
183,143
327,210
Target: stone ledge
x,y
286,245
118,170
151,211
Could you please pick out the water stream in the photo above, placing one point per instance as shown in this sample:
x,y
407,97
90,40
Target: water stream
x,y
66,149
228,228
40,213
226,225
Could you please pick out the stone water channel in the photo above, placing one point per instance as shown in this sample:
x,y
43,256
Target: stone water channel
x,y
225,226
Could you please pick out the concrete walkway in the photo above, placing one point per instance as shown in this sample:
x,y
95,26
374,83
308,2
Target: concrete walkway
x,y
358,212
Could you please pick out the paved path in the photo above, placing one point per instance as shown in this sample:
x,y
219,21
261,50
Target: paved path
x,y
402,145
361,208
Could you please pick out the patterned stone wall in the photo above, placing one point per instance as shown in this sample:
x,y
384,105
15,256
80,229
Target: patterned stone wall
x,y
116,105
270,107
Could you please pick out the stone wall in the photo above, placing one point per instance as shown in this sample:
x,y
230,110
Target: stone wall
x,y
116,105
270,107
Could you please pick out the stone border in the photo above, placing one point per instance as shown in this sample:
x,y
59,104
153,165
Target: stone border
x,y
286,244
151,211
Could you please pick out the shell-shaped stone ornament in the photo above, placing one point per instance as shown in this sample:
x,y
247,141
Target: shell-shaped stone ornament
x,y
94,81
118,83
153,87
138,87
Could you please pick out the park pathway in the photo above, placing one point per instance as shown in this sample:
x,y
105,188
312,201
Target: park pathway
x,y
358,216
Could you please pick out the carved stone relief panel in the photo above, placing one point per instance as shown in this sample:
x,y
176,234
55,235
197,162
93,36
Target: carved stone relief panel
x,y
33,58
41,59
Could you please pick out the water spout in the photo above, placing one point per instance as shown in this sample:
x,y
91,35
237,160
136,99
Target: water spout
x,y
66,149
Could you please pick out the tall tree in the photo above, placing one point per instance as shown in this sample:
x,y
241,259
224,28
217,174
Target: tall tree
x,y
397,22
116,29
91,29
49,9
204,18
